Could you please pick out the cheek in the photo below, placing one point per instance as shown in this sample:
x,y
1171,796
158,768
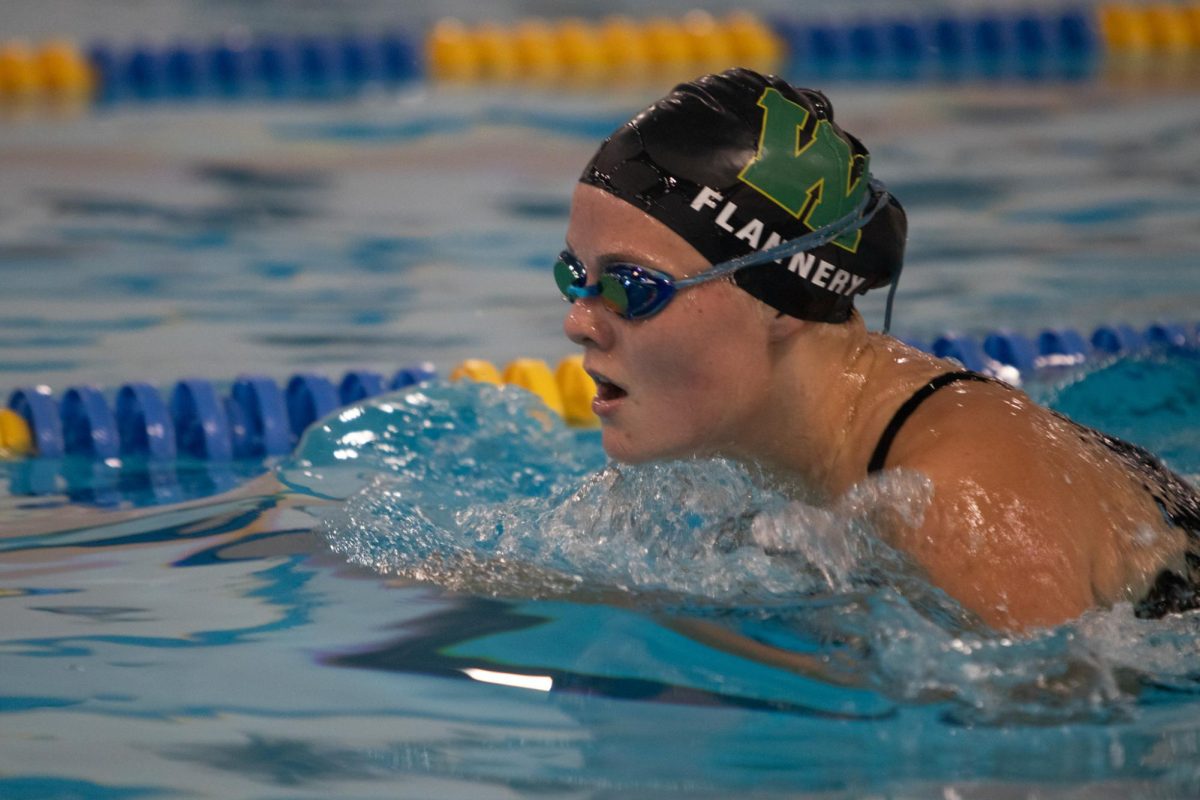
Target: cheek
x,y
688,366
704,376
719,342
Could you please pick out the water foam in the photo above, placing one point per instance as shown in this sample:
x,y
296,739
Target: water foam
x,y
478,489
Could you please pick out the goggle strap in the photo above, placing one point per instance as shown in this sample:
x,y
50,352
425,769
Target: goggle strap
x,y
887,311
876,194
875,198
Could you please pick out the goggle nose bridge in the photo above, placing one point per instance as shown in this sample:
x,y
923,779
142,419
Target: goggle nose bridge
x,y
575,292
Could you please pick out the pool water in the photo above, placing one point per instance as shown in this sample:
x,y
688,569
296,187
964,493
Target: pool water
x,y
444,592
160,241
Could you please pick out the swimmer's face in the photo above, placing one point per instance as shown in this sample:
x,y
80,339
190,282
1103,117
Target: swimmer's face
x,y
691,380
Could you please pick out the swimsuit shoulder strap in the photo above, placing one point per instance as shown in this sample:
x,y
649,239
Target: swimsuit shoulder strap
x,y
910,405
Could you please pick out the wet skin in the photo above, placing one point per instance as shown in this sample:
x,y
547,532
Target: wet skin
x,y
1029,525
691,380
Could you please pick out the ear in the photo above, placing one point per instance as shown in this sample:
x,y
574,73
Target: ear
x,y
783,327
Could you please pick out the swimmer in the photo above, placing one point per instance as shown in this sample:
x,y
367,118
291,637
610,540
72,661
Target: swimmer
x,y
715,246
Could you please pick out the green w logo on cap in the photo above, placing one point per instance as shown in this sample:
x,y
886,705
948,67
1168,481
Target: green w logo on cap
x,y
809,171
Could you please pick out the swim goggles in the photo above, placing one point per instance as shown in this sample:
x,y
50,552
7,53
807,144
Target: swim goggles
x,y
636,292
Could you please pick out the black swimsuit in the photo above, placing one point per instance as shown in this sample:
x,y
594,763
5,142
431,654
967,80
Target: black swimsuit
x,y
1179,502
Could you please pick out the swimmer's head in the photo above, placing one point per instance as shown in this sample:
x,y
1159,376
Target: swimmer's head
x,y
739,162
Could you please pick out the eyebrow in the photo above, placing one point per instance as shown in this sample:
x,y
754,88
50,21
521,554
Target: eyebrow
x,y
621,257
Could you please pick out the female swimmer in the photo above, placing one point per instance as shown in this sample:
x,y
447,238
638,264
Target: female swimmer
x,y
715,246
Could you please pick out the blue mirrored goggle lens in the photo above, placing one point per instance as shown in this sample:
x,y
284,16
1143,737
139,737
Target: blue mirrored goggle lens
x,y
628,290
569,273
635,292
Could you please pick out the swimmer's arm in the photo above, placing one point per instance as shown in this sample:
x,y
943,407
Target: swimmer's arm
x,y
1002,533
833,668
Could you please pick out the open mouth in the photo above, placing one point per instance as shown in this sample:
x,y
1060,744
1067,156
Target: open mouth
x,y
606,390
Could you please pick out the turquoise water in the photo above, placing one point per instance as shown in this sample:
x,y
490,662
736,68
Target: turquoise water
x,y
336,624
445,592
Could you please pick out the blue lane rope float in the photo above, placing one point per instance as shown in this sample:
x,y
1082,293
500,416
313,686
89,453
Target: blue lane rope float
x,y
963,349
1012,348
258,420
150,451
201,423
1024,43
309,397
88,425
1171,335
254,420
359,385
1056,347
39,410
1116,339
265,66
144,425
1062,347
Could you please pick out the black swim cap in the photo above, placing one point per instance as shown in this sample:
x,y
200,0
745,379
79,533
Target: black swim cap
x,y
740,162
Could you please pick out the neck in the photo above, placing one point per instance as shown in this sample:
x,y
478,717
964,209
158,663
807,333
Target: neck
x,y
808,434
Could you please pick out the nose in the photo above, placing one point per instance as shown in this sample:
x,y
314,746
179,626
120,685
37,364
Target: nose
x,y
589,324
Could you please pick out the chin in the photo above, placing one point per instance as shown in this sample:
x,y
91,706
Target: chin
x,y
624,455
618,447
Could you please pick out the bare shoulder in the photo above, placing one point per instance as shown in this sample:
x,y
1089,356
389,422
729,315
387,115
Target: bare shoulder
x,y
982,428
1027,518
